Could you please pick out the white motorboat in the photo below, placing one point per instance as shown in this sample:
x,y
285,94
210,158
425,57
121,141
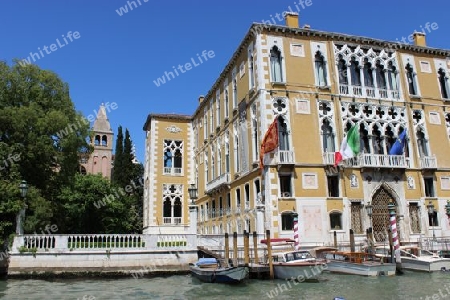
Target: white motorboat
x,y
416,259
292,264
356,263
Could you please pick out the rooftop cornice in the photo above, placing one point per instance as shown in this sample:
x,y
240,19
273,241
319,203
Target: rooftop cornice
x,y
178,117
257,28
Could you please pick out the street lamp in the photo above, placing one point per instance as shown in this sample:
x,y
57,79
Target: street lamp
x,y
192,190
447,209
369,209
23,187
430,208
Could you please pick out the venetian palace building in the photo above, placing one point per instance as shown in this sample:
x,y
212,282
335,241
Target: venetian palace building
x,y
316,85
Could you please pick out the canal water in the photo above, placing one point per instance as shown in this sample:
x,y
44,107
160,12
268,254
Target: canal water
x,y
410,286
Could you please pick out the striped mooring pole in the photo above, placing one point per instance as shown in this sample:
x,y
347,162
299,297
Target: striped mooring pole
x,y
395,241
296,238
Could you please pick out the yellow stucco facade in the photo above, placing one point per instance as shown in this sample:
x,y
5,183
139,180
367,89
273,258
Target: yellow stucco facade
x,y
316,85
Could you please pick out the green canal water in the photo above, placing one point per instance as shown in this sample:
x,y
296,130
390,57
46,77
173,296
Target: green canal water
x,y
409,286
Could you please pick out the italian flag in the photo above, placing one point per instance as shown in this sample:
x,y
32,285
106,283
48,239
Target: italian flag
x,y
349,146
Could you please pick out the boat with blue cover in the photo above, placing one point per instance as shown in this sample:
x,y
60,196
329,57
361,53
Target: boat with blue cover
x,y
210,270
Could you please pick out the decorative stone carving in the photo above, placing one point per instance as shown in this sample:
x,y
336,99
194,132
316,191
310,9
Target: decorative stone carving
x,y
353,181
411,183
173,129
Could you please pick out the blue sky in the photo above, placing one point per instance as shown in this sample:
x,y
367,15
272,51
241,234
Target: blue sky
x,y
117,58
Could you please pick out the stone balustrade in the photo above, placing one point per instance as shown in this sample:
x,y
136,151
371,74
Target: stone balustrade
x,y
88,242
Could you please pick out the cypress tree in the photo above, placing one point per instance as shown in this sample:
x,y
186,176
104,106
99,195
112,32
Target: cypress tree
x,y
127,160
118,158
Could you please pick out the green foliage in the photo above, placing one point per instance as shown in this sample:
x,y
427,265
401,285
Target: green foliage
x,y
126,172
41,129
118,158
23,249
93,205
39,124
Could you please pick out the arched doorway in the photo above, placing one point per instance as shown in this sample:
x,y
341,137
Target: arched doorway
x,y
380,214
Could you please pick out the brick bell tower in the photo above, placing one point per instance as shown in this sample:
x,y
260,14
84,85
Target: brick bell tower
x,y
101,158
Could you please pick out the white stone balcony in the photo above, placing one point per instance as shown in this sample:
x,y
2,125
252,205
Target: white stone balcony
x,y
173,171
223,179
371,161
286,157
328,158
172,220
380,161
428,162
368,92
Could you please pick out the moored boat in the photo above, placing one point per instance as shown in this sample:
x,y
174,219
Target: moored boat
x,y
416,259
292,264
209,270
297,265
357,263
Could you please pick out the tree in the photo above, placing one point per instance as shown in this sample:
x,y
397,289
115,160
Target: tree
x,y
129,173
93,205
118,158
39,123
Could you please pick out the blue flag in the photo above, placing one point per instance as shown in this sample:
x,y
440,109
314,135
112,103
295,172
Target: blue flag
x,y
399,145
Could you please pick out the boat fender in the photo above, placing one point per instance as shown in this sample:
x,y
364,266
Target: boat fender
x,y
213,277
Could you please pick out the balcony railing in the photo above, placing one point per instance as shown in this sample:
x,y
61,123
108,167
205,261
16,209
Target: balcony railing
x,y
172,220
328,158
222,179
368,92
286,157
380,161
173,171
428,162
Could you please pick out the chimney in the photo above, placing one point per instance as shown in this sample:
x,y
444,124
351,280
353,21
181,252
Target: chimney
x,y
419,39
200,99
291,19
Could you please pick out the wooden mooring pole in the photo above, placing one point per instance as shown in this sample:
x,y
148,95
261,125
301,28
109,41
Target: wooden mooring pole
x,y
246,248
335,239
269,254
235,250
352,241
255,247
227,250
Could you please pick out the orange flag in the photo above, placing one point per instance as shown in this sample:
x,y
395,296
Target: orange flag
x,y
270,141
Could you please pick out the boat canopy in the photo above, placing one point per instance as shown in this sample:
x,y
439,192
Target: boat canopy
x,y
206,261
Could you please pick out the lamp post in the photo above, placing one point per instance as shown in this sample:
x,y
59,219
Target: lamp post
x,y
23,187
192,190
430,208
447,209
